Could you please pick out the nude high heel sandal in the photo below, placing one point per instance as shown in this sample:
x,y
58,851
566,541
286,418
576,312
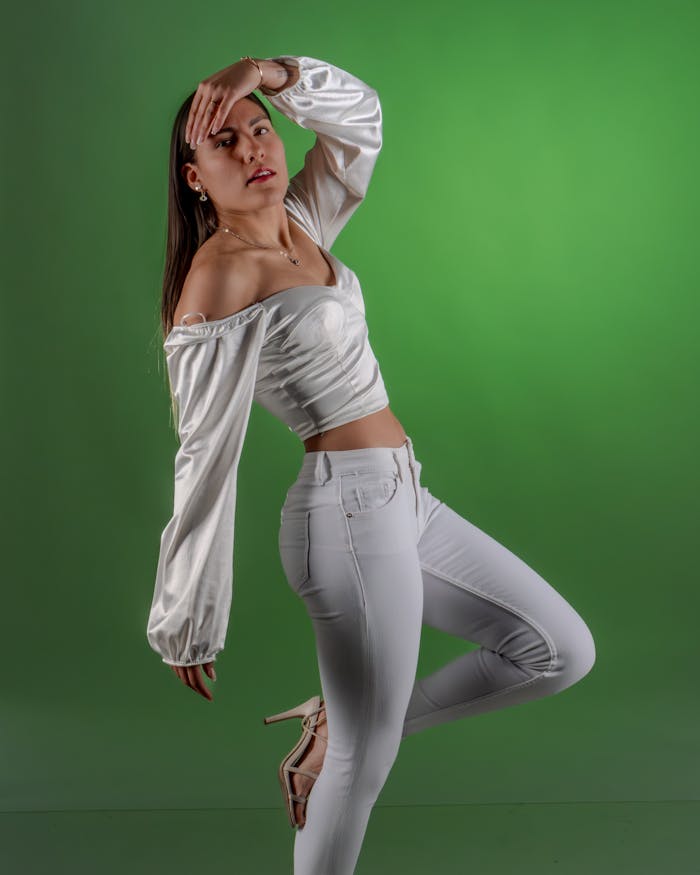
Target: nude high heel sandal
x,y
309,712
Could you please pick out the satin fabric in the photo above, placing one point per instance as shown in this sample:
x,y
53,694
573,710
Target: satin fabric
x,y
302,353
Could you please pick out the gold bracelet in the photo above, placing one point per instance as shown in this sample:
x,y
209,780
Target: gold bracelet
x,y
253,61
271,92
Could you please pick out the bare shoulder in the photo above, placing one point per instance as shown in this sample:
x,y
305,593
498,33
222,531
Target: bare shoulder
x,y
218,284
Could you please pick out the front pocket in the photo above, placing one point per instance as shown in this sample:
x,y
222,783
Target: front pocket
x,y
294,547
368,491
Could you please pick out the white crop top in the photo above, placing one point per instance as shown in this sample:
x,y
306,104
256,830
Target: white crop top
x,y
302,353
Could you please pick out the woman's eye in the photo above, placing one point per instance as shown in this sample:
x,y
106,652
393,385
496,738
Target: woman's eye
x,y
223,142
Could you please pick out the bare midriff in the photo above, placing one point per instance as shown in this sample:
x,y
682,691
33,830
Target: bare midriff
x,y
380,429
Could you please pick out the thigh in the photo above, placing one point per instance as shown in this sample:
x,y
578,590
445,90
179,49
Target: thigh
x,y
349,551
477,589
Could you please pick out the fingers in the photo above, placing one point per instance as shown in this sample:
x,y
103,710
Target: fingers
x,y
195,121
222,111
224,89
189,127
206,108
196,681
191,676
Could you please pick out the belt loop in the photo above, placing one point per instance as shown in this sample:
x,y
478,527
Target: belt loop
x,y
413,475
395,454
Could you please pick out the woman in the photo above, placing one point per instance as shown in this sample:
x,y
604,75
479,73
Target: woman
x,y
370,551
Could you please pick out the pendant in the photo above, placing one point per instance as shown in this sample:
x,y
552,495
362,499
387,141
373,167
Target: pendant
x,y
295,261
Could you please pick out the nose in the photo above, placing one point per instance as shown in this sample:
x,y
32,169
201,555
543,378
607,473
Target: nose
x,y
248,149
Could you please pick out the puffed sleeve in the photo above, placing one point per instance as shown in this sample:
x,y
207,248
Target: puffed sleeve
x,y
346,115
212,369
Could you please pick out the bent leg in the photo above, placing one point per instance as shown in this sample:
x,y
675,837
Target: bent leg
x,y
533,642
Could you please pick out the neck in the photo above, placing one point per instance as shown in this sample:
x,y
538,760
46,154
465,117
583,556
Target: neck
x,y
268,226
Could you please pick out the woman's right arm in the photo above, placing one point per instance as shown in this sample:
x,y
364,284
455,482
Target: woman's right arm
x,y
212,370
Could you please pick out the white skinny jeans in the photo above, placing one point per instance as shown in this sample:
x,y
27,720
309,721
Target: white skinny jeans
x,y
374,555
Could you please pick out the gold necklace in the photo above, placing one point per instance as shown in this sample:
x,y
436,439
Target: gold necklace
x,y
283,252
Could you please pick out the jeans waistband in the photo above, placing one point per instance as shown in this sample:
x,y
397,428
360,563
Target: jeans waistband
x,y
320,466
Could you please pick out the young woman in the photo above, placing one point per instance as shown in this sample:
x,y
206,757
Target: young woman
x,y
256,307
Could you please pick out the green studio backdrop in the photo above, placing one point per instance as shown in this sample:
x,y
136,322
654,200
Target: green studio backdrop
x,y
528,257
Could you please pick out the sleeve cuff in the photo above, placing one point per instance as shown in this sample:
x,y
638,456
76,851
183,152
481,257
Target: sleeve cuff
x,y
199,662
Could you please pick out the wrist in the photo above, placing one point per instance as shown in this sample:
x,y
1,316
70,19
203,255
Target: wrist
x,y
276,75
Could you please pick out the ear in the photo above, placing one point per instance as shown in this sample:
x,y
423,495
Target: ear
x,y
189,174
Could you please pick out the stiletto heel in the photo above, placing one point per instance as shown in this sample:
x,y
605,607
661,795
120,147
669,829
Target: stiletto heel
x,y
309,711
299,711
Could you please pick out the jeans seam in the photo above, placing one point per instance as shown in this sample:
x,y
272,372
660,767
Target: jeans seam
x,y
458,583
364,721
455,707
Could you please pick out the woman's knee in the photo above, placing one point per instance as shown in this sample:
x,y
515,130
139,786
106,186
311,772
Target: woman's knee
x,y
576,653
584,652
380,755
372,756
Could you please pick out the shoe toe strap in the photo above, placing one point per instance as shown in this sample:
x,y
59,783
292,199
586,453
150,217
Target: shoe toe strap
x,y
309,774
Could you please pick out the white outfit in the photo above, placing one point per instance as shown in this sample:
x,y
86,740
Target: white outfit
x,y
302,353
370,551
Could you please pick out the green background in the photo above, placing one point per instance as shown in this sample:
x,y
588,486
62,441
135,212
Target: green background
x,y
528,256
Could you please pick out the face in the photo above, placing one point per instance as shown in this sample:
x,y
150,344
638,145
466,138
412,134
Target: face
x,y
225,161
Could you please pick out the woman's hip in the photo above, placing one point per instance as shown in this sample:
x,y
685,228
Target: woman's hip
x,y
363,485
353,509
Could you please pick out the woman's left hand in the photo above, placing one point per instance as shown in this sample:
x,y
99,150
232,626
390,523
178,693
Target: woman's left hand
x,y
224,88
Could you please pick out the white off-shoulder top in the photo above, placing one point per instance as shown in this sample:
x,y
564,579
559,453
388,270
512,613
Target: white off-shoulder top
x,y
302,353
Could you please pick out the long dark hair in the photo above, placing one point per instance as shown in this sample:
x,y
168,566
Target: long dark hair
x,y
190,220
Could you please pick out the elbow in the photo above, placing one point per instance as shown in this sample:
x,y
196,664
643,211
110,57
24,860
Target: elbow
x,y
375,128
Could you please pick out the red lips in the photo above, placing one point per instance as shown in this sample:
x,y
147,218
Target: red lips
x,y
260,170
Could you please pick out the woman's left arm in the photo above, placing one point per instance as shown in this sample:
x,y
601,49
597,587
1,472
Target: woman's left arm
x,y
346,115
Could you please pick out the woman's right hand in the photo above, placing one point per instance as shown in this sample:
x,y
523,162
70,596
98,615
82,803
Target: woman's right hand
x,y
191,676
225,88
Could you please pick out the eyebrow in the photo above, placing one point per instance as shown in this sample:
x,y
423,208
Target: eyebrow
x,y
233,130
